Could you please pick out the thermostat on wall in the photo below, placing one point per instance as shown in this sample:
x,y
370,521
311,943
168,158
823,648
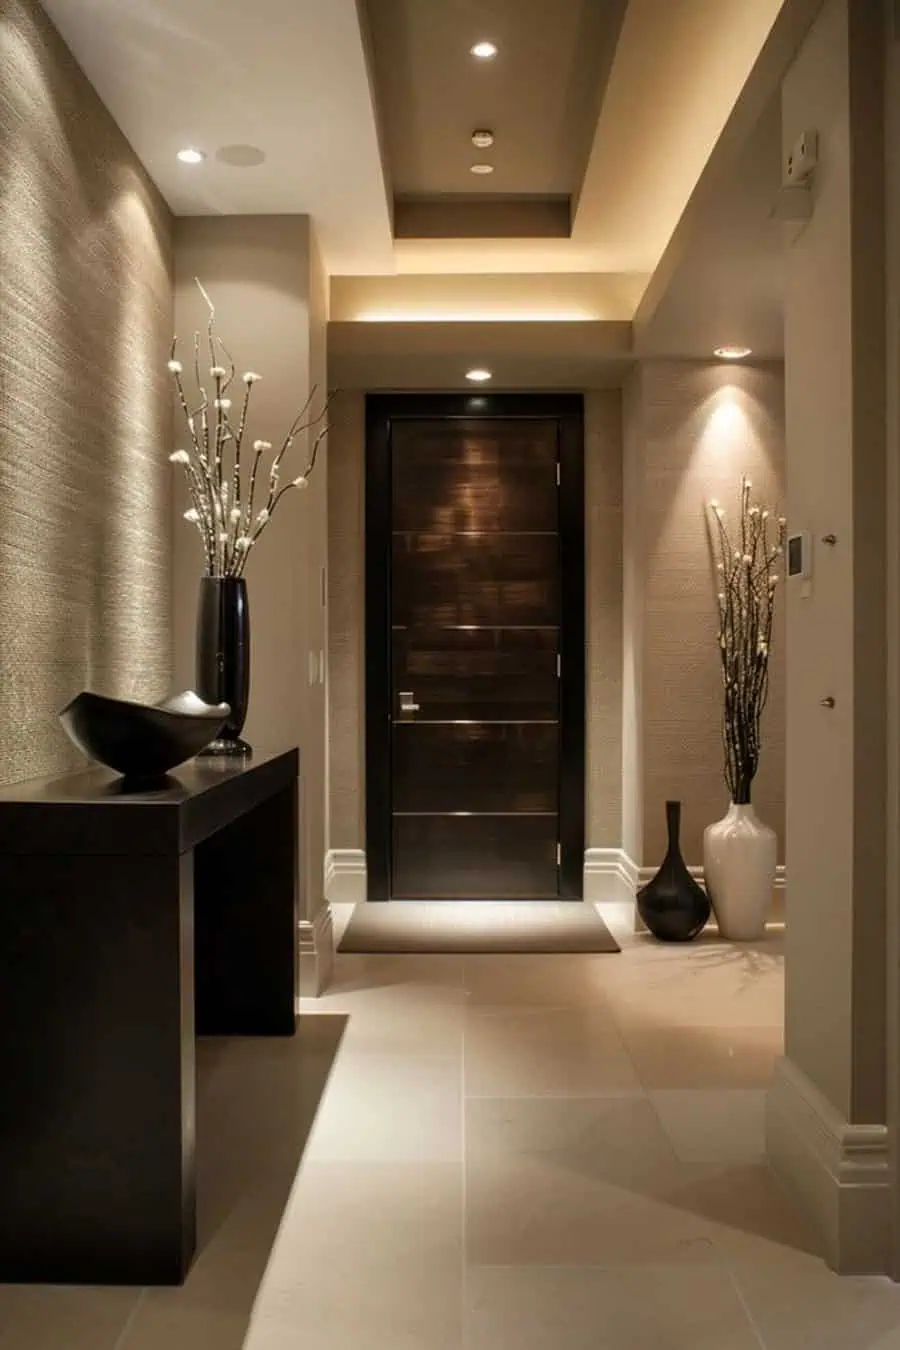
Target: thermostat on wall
x,y
799,555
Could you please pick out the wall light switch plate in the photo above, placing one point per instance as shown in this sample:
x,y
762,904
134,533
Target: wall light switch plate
x,y
799,555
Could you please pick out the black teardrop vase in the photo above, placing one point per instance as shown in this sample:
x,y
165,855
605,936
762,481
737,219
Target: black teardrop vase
x,y
223,657
672,905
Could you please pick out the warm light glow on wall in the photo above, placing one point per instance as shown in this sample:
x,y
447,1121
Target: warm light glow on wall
x,y
728,431
474,316
726,419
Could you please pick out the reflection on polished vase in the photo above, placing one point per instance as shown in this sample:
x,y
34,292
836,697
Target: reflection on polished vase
x,y
672,905
223,657
740,856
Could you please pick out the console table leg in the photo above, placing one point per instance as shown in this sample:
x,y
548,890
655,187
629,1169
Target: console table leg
x,y
97,1069
245,888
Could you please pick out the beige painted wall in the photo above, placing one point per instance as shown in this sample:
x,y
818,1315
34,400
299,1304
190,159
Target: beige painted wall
x,y
603,507
264,277
85,319
834,358
692,429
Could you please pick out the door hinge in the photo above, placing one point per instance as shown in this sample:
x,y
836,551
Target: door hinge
x,y
557,474
559,855
558,666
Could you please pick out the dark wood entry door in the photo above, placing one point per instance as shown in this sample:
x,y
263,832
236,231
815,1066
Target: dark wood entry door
x,y
474,599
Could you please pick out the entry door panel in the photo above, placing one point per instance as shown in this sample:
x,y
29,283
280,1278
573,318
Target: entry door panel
x,y
475,614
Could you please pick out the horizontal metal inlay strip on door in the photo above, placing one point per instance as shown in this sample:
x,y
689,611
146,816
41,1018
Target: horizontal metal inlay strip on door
x,y
477,534
514,815
477,628
475,722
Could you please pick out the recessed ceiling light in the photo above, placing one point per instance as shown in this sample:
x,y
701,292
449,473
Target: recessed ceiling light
x,y
483,139
482,168
190,156
732,353
478,376
484,51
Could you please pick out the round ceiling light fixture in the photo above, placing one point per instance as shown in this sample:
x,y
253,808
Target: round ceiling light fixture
x,y
482,168
732,353
483,140
191,156
478,375
484,51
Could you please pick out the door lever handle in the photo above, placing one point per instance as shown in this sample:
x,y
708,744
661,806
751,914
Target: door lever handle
x,y
406,701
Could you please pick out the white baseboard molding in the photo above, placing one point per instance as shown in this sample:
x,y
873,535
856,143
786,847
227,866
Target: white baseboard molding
x,y
316,943
839,1172
345,876
609,875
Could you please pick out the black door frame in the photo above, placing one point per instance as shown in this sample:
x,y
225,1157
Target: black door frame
x,y
381,411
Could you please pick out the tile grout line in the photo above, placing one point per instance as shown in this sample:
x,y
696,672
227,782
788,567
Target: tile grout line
x,y
120,1340
739,1293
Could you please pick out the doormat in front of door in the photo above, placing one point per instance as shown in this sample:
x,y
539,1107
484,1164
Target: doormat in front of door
x,y
478,927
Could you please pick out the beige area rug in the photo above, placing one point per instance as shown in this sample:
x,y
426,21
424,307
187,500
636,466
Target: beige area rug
x,y
460,927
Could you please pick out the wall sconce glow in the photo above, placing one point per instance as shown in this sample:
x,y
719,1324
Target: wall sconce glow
x,y
484,51
732,353
482,168
478,376
191,156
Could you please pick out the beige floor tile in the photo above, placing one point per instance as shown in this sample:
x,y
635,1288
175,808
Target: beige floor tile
x,y
554,981
701,1057
714,1125
570,1182
368,1256
709,984
748,1210
390,1108
616,1138
45,1318
655,1308
546,1052
356,973
162,1323
404,1020
797,1303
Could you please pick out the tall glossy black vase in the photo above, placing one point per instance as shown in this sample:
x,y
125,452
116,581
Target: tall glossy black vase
x,y
672,905
223,657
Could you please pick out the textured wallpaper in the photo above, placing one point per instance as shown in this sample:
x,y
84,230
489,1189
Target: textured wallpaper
x,y
703,425
85,414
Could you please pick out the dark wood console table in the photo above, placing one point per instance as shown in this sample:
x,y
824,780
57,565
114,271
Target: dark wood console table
x,y
129,923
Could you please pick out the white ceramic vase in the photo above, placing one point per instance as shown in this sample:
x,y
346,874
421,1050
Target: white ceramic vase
x,y
740,855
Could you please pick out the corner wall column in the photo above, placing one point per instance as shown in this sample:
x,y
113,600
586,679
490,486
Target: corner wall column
x,y
266,279
827,1136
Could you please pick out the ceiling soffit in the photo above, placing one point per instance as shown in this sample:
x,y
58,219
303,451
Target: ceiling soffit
x,y
540,97
289,79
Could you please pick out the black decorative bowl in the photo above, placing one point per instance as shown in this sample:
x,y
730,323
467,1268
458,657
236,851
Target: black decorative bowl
x,y
142,741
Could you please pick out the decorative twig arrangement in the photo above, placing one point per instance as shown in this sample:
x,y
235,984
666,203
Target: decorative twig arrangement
x,y
221,476
747,581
